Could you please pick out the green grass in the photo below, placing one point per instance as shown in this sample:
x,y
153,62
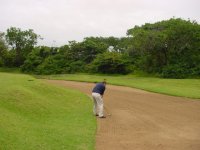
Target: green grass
x,y
35,115
176,87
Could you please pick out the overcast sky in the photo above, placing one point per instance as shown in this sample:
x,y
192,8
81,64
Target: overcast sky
x,y
60,21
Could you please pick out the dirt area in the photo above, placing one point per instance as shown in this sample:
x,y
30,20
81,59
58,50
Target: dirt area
x,y
143,120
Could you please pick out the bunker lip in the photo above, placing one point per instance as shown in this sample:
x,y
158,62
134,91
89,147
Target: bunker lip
x,y
143,120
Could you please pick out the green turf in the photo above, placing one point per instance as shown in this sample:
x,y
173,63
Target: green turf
x,y
177,87
35,115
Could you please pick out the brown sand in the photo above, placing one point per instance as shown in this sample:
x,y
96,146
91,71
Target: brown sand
x,y
143,120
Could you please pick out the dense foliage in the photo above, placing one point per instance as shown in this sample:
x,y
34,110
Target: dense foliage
x,y
22,43
169,48
111,62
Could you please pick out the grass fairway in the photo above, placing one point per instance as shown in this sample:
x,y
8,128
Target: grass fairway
x,y
38,116
177,87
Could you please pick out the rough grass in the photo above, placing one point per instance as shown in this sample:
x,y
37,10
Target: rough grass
x,y
176,87
35,115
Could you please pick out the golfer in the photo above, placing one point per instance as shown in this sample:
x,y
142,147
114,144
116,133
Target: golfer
x,y
97,95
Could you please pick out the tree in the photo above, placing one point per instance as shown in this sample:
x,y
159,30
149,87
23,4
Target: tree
x,y
3,49
22,42
166,45
87,50
92,46
149,42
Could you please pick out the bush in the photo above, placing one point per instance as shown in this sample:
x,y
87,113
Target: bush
x,y
31,63
177,71
51,65
1,62
111,63
195,71
77,66
9,59
57,64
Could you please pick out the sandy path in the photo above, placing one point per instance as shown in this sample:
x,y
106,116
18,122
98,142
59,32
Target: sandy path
x,y
142,120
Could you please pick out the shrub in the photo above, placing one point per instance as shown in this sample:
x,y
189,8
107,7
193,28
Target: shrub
x,y
1,62
177,71
77,66
111,62
51,65
31,63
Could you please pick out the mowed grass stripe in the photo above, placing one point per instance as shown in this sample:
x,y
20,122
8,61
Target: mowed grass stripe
x,y
176,87
36,115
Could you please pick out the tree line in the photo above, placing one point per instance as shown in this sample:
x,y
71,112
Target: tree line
x,y
169,48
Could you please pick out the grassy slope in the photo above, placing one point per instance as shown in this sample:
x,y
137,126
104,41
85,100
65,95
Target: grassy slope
x,y
177,87
35,115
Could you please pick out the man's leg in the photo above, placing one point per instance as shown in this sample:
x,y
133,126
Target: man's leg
x,y
95,107
99,101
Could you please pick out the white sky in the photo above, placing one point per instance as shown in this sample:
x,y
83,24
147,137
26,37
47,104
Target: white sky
x,y
60,21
